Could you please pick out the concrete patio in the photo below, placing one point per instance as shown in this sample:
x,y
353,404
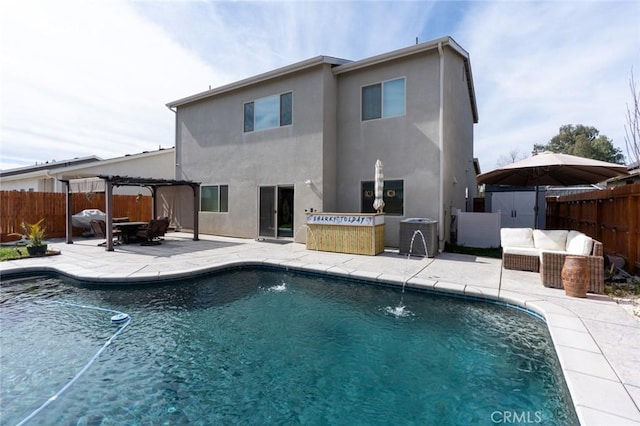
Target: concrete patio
x,y
597,341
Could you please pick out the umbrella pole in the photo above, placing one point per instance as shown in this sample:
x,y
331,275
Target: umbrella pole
x,y
536,209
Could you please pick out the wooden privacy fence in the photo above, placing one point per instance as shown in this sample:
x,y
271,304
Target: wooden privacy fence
x,y
17,207
611,216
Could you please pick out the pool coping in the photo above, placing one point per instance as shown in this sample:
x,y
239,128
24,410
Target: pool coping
x,y
597,391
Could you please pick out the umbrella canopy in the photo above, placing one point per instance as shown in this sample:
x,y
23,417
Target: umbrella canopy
x,y
550,168
378,203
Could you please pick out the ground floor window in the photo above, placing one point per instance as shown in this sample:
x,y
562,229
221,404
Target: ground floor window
x,y
214,198
393,197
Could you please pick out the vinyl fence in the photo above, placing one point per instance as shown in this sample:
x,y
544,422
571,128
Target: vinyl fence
x,y
611,216
17,207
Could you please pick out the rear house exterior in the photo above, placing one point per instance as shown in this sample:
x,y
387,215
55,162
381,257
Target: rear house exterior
x,y
305,137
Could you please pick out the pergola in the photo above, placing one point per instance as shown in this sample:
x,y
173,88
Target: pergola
x,y
106,183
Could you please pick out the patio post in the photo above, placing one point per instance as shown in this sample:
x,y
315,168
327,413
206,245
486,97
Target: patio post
x,y
154,202
69,209
196,208
108,200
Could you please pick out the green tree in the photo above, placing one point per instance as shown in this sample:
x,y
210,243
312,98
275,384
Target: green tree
x,y
583,141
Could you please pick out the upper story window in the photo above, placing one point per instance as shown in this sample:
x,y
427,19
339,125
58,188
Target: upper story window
x,y
269,112
386,99
214,198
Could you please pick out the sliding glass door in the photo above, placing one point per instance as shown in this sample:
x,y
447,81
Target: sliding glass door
x,y
275,211
267,211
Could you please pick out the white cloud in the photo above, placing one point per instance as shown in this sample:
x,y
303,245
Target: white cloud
x,y
92,77
253,37
84,78
538,66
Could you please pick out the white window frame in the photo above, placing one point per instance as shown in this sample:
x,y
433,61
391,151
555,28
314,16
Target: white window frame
x,y
279,114
382,95
219,198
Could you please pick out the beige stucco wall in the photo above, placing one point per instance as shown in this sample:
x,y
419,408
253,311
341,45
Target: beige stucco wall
x,y
329,151
459,172
215,150
330,142
407,146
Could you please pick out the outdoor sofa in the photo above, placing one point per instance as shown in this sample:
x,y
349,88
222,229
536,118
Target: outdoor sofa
x,y
544,251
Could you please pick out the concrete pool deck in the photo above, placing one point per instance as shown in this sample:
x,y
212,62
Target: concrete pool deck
x,y
596,339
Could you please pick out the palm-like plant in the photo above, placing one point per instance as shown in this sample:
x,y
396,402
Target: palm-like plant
x,y
35,232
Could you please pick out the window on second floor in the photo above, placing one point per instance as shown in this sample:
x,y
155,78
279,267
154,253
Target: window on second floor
x,y
381,100
269,112
214,198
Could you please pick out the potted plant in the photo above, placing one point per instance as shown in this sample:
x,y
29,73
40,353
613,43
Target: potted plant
x,y
35,232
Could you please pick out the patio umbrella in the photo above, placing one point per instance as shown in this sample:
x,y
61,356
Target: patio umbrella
x,y
378,203
550,168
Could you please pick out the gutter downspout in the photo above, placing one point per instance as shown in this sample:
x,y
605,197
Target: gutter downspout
x,y
177,171
441,217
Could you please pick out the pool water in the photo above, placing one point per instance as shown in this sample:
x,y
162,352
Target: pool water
x,y
272,347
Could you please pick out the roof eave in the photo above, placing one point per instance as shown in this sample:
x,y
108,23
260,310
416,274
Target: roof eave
x,y
298,66
415,49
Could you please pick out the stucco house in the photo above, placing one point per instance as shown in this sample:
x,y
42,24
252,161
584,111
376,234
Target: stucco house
x,y
45,177
305,137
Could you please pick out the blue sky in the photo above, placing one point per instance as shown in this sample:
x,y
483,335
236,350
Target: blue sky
x,y
92,77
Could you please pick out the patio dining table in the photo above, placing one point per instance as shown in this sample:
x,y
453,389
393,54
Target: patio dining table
x,y
129,229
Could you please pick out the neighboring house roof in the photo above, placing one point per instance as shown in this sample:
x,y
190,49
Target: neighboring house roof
x,y
632,177
343,66
67,168
49,166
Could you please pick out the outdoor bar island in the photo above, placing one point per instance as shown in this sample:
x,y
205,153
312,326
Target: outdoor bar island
x,y
361,233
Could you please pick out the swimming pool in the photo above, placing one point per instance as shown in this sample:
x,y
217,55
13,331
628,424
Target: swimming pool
x,y
256,346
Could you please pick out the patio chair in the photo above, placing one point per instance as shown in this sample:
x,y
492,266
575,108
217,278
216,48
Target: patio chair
x,y
99,228
154,231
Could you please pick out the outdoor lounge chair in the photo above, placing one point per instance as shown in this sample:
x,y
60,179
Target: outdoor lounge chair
x,y
99,228
545,251
154,231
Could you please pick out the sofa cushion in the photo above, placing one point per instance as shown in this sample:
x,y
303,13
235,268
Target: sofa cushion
x,y
550,239
550,251
516,237
523,251
579,243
